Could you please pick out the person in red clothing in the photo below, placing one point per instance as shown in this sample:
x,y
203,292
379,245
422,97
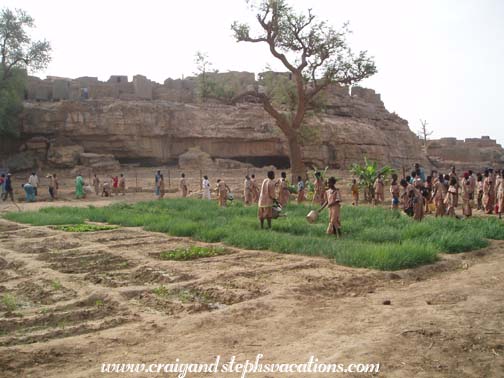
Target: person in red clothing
x,y
115,185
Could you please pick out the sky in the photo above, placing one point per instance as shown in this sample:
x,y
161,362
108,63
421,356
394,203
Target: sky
x,y
437,60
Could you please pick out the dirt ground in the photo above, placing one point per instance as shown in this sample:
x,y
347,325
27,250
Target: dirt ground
x,y
83,299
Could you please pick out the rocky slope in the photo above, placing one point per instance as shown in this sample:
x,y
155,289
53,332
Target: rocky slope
x,y
350,128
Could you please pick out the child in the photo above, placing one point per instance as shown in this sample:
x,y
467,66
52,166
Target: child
x,y
395,192
427,194
161,186
479,187
332,200
183,185
283,190
222,192
267,198
106,188
379,192
438,195
451,200
115,185
466,195
355,193
319,188
301,190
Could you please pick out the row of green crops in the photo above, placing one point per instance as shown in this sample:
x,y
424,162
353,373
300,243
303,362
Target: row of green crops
x,y
372,237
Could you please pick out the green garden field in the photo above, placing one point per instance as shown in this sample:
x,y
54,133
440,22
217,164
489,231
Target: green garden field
x,y
375,238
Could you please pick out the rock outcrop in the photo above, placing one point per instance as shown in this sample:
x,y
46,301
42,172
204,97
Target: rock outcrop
x,y
351,127
64,156
194,158
471,153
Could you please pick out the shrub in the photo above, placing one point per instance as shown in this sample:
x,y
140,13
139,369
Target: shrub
x,y
192,252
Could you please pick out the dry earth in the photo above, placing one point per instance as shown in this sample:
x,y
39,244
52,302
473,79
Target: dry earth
x,y
90,298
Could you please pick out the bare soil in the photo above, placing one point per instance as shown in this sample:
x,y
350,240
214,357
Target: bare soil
x,y
83,299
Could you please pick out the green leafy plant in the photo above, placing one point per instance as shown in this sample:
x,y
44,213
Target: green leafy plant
x,y
192,252
367,174
56,285
9,302
99,303
161,291
84,227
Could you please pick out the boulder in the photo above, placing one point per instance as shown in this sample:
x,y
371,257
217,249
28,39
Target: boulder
x,y
99,162
22,161
194,158
231,164
37,143
64,156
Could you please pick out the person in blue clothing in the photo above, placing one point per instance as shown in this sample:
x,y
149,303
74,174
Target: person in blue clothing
x,y
8,190
2,185
156,178
412,177
420,171
29,190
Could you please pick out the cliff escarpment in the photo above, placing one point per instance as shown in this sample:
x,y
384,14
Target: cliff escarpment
x,y
160,130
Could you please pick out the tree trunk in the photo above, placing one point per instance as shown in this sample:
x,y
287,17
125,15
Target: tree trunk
x,y
296,158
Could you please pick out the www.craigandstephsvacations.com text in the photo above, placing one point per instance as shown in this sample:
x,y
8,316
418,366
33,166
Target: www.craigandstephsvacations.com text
x,y
240,368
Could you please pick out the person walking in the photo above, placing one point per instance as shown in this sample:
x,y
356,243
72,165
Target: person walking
x,y
300,190
33,180
122,184
254,188
115,185
8,189
183,185
319,189
247,191
156,179
161,186
283,190
222,192
206,188
51,187
332,201
395,191
2,185
267,198
96,184
79,187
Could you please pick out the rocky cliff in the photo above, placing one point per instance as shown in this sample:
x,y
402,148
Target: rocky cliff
x,y
471,153
159,131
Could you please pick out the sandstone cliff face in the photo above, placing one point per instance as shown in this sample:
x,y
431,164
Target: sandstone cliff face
x,y
471,153
160,131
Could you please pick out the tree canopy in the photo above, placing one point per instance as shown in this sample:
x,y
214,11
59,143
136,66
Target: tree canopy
x,y
315,55
17,48
19,54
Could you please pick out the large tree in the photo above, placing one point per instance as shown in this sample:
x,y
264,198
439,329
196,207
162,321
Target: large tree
x,y
315,54
19,54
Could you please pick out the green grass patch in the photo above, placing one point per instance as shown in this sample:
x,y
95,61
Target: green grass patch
x,y
9,302
375,238
191,253
56,285
84,227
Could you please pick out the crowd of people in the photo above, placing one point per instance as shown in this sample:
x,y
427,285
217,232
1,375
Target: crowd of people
x,y
441,194
30,188
417,194
112,185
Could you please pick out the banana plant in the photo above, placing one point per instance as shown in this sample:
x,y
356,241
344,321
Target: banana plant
x,y
367,175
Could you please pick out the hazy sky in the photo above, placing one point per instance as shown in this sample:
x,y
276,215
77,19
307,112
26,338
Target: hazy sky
x,y
439,60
